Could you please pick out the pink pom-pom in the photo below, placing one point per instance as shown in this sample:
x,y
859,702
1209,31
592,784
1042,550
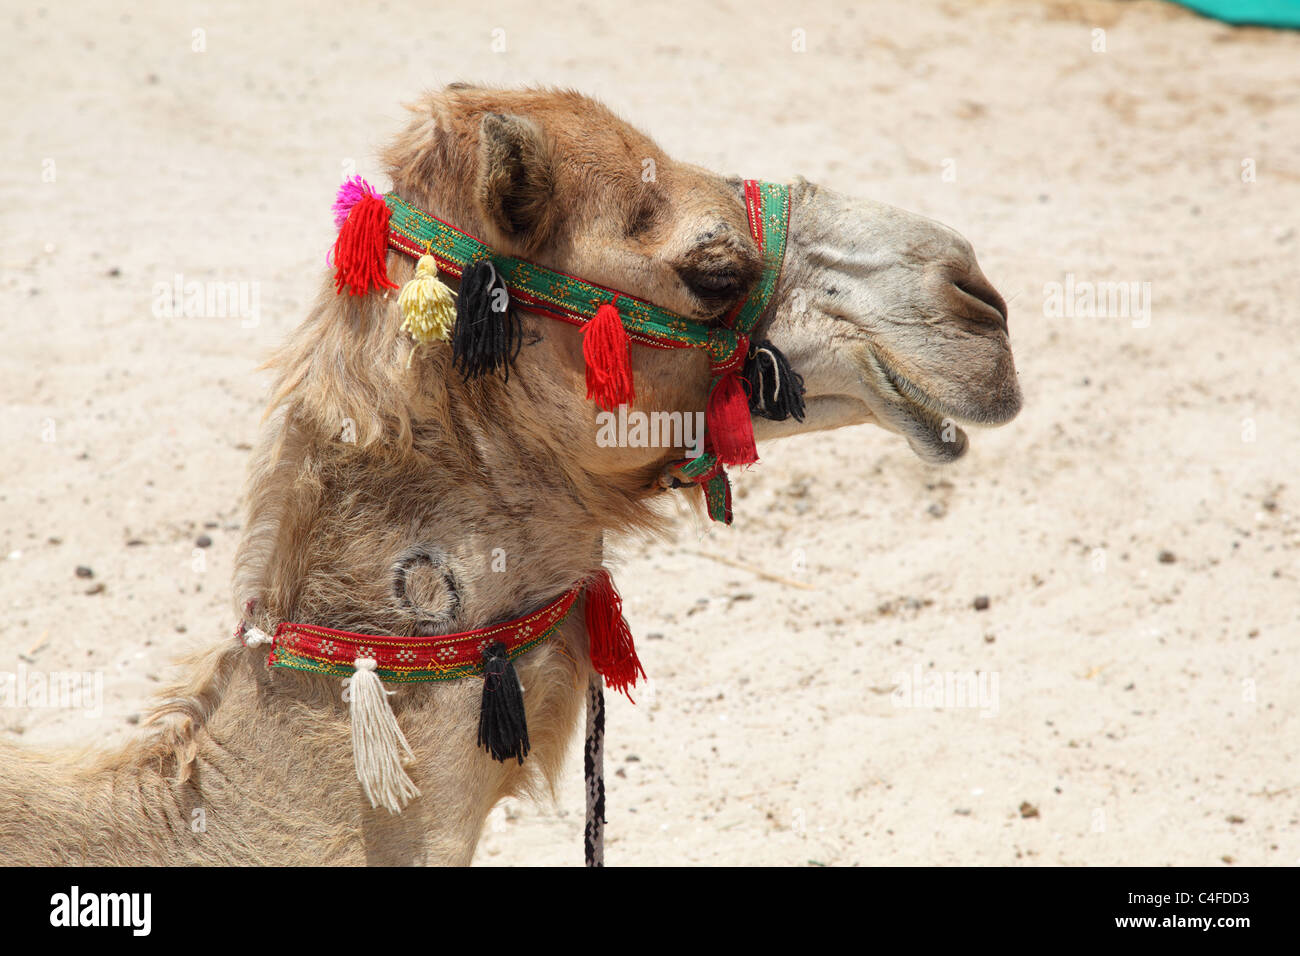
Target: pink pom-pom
x,y
353,190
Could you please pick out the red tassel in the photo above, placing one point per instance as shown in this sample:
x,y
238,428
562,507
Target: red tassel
x,y
609,366
730,429
612,652
361,250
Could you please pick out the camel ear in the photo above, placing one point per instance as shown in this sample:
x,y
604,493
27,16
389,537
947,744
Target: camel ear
x,y
516,186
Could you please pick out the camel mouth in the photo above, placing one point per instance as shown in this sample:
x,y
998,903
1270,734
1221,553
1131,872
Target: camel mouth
x,y
932,427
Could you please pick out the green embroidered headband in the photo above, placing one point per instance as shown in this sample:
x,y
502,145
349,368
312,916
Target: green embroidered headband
x,y
485,336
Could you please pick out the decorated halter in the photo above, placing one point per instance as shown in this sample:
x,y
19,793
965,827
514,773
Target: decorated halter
x,y
485,336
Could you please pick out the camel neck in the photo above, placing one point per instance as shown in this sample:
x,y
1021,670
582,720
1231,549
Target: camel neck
x,y
441,544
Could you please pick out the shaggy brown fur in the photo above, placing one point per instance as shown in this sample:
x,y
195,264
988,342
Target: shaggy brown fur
x,y
363,461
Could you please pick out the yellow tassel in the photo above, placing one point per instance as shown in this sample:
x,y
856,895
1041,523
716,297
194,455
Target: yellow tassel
x,y
428,311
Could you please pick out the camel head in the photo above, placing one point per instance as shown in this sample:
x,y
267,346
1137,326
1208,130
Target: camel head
x,y
889,319
885,314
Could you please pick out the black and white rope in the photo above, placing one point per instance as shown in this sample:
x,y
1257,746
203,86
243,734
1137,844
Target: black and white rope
x,y
593,768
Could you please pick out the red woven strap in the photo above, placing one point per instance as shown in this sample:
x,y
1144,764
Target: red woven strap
x,y
408,655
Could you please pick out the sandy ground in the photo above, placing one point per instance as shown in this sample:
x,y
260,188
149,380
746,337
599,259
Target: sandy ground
x,y
1145,709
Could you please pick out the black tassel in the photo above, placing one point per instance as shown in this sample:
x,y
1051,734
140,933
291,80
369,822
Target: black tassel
x,y
502,724
487,335
775,389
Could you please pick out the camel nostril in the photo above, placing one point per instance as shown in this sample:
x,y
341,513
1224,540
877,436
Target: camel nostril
x,y
980,290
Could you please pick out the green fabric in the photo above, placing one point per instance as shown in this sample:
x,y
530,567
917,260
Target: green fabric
x,y
717,497
1269,13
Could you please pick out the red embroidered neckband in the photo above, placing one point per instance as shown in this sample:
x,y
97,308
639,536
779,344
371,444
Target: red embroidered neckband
x,y
364,661
323,650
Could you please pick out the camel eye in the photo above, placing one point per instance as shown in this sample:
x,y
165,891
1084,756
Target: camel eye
x,y
713,286
720,283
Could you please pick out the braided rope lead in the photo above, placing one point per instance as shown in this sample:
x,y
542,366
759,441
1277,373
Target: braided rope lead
x,y
593,767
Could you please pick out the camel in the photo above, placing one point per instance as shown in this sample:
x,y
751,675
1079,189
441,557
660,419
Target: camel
x,y
489,496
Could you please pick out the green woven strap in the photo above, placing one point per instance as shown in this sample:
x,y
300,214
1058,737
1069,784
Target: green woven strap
x,y
767,206
562,296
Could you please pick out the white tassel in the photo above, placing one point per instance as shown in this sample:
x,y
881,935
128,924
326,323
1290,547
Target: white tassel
x,y
254,636
377,742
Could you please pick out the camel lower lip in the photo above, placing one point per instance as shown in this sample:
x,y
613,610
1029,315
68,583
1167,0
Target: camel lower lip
x,y
930,429
927,403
